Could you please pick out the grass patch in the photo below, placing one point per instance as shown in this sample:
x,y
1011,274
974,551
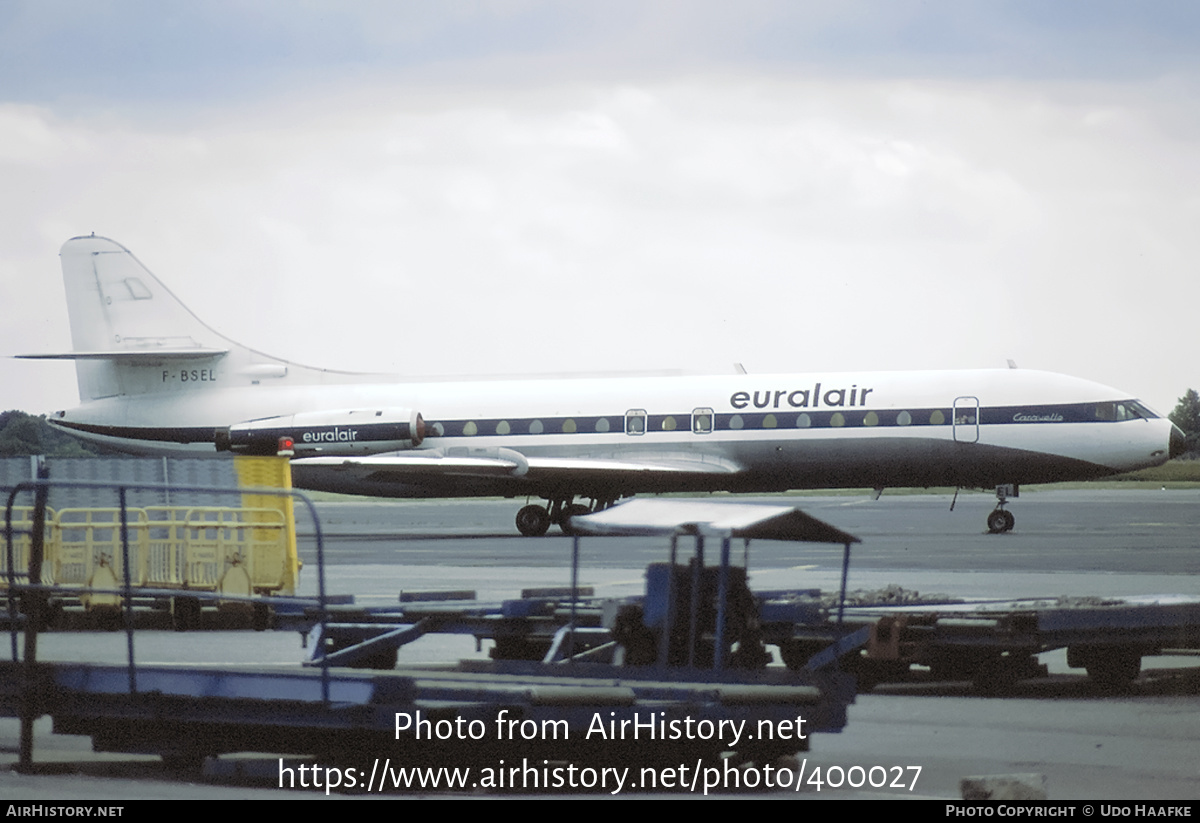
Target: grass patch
x,y
1174,471
1176,474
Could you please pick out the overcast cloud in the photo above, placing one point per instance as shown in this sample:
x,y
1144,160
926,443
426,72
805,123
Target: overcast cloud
x,y
515,187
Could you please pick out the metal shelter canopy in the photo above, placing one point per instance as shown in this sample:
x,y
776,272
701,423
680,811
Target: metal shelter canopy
x,y
762,521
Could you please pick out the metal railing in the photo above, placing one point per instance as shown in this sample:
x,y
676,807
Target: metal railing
x,y
25,533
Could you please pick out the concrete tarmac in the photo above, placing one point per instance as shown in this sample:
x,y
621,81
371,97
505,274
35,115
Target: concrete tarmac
x,y
1140,745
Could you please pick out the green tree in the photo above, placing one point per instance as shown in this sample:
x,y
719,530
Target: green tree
x,y
1187,417
23,434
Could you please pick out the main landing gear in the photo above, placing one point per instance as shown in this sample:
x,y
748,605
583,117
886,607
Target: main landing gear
x,y
534,520
1001,519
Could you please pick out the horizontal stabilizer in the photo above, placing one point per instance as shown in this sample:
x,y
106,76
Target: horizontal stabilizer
x,y
130,355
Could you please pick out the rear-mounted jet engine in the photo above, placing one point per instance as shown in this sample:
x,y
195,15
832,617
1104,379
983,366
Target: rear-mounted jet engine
x,y
348,431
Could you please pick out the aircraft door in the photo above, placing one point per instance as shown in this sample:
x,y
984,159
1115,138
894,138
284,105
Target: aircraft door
x,y
966,419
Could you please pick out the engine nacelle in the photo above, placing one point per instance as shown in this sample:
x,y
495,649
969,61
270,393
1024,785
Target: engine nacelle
x,y
347,431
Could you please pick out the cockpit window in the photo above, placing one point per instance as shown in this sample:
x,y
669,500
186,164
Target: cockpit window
x,y
1122,410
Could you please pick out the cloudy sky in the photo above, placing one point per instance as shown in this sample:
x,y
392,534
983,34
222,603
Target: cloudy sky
x,y
522,186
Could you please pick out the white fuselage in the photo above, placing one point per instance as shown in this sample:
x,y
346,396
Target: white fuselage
x,y
746,432
153,377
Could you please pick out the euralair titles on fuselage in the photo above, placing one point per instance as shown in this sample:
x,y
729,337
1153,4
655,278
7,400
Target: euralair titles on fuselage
x,y
798,398
773,408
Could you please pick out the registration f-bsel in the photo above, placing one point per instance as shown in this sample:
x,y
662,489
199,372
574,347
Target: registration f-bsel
x,y
154,378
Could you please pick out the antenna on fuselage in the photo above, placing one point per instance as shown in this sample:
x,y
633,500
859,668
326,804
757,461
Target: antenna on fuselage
x,y
739,368
1012,364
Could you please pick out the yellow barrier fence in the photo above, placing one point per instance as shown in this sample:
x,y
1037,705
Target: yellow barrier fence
x,y
198,548
22,527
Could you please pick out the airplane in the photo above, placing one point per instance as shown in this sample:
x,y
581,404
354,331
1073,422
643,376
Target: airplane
x,y
153,378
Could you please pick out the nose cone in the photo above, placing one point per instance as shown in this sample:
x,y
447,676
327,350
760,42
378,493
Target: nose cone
x,y
1178,441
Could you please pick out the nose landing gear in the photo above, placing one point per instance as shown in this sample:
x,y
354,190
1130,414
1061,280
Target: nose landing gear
x,y
1001,519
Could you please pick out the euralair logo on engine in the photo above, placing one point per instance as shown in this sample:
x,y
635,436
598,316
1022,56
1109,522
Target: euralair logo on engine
x,y
334,435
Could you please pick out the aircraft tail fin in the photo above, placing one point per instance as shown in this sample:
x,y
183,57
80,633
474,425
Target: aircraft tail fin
x,y
125,323
117,305
130,335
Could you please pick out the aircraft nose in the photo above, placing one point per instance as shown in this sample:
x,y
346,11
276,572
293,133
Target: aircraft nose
x,y
1178,439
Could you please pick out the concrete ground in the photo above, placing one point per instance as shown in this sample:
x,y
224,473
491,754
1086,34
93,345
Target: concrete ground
x,y
1141,744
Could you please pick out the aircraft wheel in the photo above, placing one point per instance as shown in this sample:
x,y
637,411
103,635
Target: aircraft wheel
x,y
998,521
533,520
1009,520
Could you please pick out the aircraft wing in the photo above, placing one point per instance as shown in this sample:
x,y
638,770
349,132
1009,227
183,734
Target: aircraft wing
x,y
508,463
